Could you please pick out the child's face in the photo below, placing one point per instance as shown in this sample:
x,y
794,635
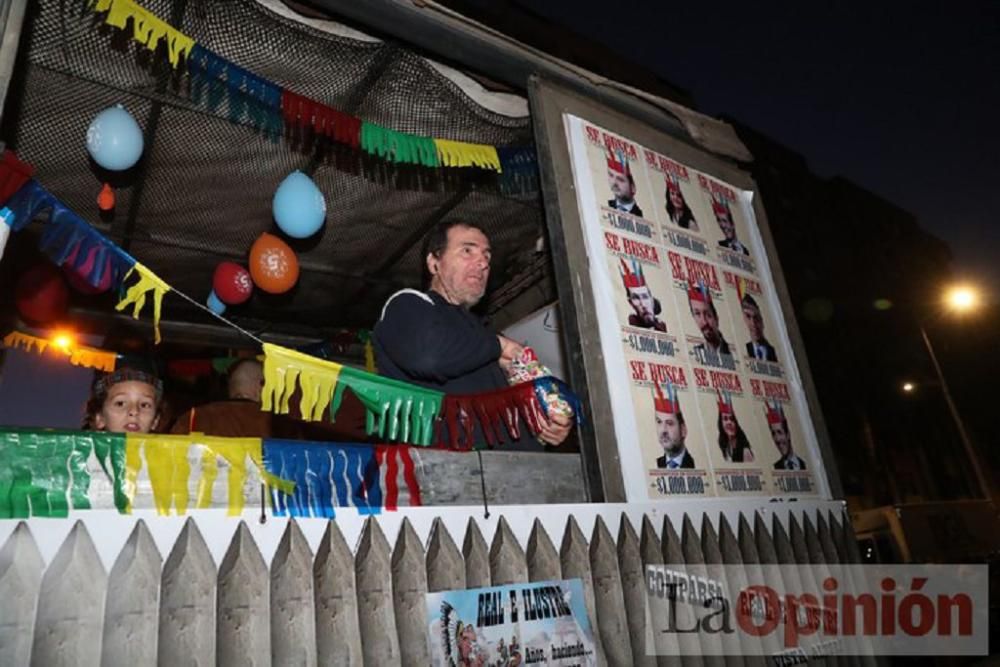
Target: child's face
x,y
129,407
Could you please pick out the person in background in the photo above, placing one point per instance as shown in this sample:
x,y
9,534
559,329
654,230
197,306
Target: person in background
x,y
239,416
126,400
432,339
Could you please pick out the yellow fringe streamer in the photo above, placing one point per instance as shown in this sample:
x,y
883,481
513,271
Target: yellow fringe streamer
x,y
148,281
169,469
283,368
81,355
147,28
461,154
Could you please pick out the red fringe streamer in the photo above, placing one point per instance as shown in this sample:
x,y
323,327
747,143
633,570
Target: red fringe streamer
x,y
493,410
337,125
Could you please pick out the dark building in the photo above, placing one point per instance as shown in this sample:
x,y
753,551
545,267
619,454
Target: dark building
x,y
864,278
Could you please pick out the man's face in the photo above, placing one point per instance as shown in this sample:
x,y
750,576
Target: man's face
x,y
641,300
621,188
754,322
461,272
670,432
726,225
729,425
676,199
707,322
782,440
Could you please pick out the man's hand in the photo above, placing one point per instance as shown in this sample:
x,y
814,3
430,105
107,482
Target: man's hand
x,y
509,351
555,430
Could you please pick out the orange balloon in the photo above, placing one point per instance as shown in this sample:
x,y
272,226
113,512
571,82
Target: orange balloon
x,y
273,265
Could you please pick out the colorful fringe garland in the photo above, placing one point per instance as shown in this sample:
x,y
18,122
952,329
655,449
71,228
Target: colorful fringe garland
x,y
330,475
47,473
79,355
259,99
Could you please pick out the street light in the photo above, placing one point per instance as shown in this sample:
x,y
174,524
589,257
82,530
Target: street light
x,y
908,387
960,299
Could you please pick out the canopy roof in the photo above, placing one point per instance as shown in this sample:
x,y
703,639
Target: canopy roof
x,y
202,192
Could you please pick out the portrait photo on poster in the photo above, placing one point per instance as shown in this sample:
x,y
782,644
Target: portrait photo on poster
x,y
620,181
679,205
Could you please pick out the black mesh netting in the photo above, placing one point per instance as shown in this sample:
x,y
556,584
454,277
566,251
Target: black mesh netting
x,y
202,192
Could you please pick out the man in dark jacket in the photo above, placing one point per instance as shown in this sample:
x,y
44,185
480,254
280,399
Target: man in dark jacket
x,y
431,339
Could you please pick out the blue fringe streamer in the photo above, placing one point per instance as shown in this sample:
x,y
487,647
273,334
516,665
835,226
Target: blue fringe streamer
x,y
325,475
213,79
67,233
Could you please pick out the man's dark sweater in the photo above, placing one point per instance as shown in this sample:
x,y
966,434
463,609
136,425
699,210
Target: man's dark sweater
x,y
423,339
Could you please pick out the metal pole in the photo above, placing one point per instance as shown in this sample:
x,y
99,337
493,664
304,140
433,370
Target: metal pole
x,y
984,486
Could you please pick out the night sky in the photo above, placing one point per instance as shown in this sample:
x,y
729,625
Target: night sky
x,y
901,98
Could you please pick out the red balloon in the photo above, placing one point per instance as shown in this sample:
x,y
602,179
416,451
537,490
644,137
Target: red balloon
x,y
41,294
273,265
232,283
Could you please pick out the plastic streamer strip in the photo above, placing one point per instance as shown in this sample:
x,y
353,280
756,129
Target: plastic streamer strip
x,y
461,154
169,469
78,355
390,458
394,410
69,239
399,147
327,476
491,411
136,295
285,368
43,473
147,28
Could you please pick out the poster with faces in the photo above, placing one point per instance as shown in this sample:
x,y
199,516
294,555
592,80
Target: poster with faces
x,y
673,448
689,325
728,424
784,453
754,324
680,208
620,184
728,230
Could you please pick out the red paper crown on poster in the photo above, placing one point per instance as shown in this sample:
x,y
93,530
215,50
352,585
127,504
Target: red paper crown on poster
x,y
775,414
617,162
666,403
725,402
633,277
673,185
719,206
699,292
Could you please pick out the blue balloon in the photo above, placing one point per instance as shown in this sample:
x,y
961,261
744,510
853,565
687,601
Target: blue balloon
x,y
215,304
114,139
299,206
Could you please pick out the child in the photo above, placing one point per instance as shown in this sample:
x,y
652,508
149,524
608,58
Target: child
x,y
125,401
